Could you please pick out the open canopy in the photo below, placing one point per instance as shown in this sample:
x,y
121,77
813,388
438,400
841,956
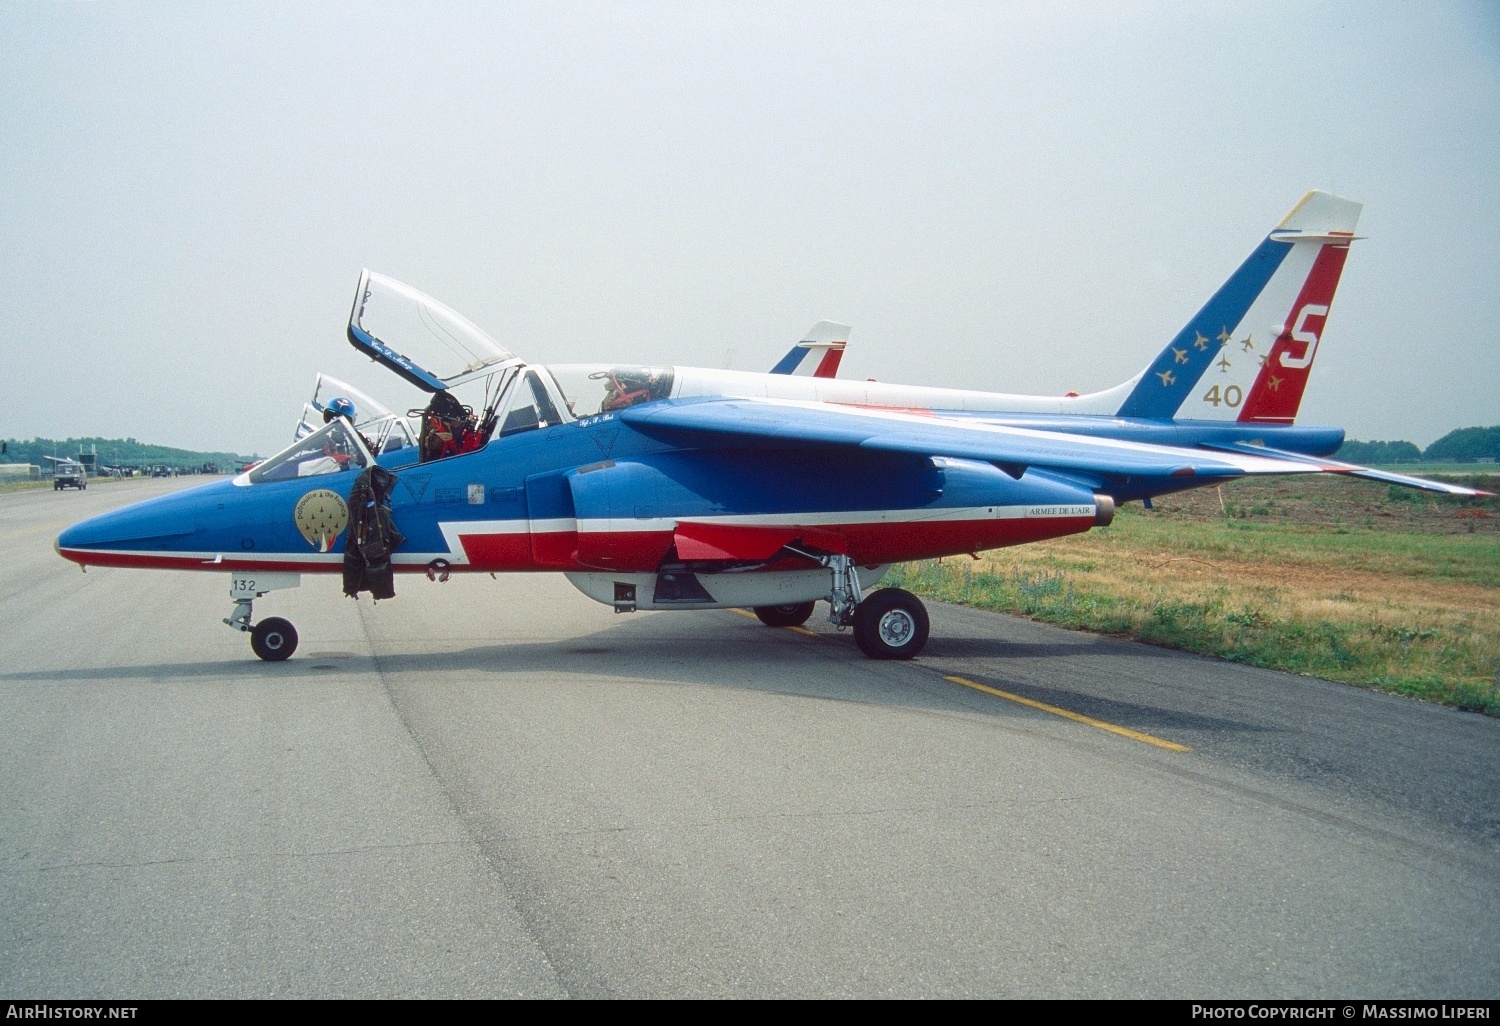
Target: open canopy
x,y
419,338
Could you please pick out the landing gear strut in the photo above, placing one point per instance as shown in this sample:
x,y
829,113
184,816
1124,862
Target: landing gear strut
x,y
273,639
890,624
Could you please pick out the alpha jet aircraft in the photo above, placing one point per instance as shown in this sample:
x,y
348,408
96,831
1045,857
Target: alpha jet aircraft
x,y
685,488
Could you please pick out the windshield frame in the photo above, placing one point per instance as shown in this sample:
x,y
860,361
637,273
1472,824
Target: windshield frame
x,y
338,435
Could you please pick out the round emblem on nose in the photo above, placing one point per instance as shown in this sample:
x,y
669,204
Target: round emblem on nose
x,y
321,517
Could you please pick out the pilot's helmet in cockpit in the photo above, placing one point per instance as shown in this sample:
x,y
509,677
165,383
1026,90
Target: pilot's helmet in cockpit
x,y
338,406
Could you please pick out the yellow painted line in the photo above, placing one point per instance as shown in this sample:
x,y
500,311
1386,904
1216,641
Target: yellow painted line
x,y
799,630
1134,735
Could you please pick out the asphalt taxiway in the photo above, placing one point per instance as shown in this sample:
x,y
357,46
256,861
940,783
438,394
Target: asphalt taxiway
x,y
498,788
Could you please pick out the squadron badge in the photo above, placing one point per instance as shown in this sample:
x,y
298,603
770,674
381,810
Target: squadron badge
x,y
321,517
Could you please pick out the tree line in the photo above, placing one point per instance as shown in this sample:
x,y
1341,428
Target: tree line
x,y
1464,445
115,452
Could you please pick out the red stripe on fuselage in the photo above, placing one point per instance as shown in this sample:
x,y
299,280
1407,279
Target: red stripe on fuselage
x,y
643,551
638,551
167,561
493,551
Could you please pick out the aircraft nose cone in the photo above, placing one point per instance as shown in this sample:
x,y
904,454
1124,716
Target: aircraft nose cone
x,y
72,539
82,539
136,534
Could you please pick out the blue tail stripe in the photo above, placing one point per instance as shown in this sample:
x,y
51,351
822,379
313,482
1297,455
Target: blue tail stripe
x,y
791,361
1166,384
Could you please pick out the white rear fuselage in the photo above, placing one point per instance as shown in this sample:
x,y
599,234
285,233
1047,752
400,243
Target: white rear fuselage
x,y
692,382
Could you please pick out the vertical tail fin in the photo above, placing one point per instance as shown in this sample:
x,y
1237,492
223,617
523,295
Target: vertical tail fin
x,y
825,337
1246,355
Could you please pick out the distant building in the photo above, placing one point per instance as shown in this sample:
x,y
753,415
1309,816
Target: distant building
x,y
20,472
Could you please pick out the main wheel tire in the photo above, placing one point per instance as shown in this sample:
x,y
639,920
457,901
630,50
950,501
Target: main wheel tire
x,y
891,624
792,615
273,639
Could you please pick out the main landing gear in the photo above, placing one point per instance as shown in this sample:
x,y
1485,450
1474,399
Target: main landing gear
x,y
890,624
273,639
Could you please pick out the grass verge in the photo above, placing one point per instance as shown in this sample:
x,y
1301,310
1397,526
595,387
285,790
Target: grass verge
x,y
1404,612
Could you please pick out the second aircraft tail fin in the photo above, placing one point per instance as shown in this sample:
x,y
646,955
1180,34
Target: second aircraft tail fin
x,y
825,338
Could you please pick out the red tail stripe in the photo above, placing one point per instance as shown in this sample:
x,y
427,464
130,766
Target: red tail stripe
x,y
1277,392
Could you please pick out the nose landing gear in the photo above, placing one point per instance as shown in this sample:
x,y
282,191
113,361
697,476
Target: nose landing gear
x,y
273,639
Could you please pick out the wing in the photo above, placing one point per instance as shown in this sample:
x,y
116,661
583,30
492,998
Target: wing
x,y
792,424
1354,470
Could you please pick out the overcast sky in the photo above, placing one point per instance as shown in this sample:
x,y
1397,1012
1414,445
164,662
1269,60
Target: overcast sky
x,y
1026,197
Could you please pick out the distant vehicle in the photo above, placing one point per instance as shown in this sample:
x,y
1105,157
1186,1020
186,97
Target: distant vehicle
x,y
68,473
161,471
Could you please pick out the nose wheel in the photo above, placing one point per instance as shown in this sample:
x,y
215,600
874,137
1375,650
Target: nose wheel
x,y
273,639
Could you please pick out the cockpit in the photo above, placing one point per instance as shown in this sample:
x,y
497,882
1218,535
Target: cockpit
x,y
527,398
382,431
479,390
335,448
598,388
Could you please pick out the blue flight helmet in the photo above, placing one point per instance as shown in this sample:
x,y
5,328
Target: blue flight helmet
x,y
338,406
